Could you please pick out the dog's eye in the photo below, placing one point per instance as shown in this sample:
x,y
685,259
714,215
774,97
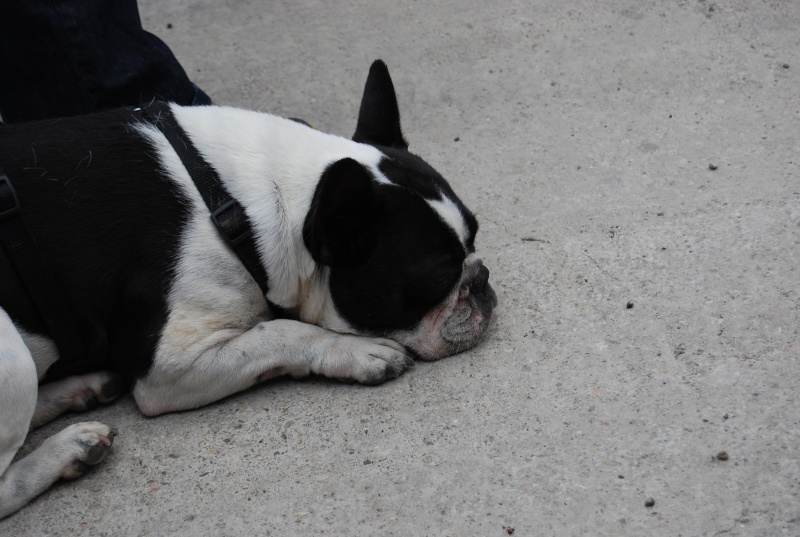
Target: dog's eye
x,y
441,280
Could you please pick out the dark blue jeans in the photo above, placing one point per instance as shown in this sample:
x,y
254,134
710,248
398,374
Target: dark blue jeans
x,y
68,57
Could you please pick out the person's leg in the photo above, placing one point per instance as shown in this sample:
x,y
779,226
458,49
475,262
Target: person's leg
x,y
67,57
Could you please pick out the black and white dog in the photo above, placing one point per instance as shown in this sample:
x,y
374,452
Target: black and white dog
x,y
368,253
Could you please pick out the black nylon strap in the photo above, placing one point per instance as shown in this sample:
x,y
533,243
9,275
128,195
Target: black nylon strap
x,y
227,214
38,280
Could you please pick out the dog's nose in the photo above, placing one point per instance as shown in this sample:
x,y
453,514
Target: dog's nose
x,y
478,285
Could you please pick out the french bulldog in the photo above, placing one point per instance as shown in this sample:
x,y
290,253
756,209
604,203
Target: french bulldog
x,y
369,259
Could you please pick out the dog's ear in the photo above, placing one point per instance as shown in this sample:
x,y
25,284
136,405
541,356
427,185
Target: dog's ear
x,y
341,228
379,117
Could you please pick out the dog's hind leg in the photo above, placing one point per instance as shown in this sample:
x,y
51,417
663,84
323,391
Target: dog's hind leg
x,y
17,403
75,394
65,455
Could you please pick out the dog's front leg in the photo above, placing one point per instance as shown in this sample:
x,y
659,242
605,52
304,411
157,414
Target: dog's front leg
x,y
268,350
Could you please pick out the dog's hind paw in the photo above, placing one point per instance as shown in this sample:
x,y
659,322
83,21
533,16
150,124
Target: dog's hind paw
x,y
91,390
76,394
66,455
79,446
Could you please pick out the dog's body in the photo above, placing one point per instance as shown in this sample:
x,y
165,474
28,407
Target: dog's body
x,y
367,251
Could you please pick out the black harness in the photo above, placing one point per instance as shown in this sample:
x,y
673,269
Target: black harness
x,y
226,213
44,291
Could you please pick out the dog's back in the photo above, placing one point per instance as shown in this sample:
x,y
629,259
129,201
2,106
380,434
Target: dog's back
x,y
112,256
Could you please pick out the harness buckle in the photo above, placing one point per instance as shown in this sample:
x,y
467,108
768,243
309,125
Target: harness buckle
x,y
231,221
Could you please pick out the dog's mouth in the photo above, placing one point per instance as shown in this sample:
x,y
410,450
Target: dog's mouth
x,y
465,326
470,318
456,325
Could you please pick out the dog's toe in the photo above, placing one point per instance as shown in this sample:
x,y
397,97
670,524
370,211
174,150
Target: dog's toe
x,y
387,360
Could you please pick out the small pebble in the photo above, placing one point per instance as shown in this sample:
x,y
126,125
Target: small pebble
x,y
169,26
649,502
785,65
712,167
629,305
456,139
725,416
722,455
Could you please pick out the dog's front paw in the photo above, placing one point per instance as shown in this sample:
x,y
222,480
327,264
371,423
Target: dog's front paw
x,y
365,360
79,446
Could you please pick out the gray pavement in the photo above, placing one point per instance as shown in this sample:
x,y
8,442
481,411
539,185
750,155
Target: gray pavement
x,y
648,304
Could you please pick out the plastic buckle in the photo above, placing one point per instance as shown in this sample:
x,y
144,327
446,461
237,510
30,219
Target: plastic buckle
x,y
9,203
232,226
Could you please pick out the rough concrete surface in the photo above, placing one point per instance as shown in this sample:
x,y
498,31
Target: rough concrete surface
x,y
635,169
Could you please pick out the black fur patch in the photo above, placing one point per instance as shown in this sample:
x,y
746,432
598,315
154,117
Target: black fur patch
x,y
415,175
413,259
415,263
391,257
108,222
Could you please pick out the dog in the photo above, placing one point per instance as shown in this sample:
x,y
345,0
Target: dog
x,y
363,259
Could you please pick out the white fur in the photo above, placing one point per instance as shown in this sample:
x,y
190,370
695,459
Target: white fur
x,y
266,164
17,391
451,215
43,350
267,350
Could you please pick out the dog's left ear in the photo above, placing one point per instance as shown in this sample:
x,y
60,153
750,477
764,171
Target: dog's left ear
x,y
379,117
341,227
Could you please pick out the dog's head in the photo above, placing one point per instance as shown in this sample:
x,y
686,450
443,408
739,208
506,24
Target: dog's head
x,y
399,244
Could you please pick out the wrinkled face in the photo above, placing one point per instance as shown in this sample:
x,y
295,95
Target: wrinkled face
x,y
458,322
422,284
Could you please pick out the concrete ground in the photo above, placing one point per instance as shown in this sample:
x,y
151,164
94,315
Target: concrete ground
x,y
636,171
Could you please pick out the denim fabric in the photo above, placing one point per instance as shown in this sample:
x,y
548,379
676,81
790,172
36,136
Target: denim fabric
x,y
68,57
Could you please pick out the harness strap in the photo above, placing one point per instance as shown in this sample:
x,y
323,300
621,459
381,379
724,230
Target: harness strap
x,y
37,278
227,214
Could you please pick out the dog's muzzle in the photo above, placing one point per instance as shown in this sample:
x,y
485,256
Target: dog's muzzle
x,y
469,317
